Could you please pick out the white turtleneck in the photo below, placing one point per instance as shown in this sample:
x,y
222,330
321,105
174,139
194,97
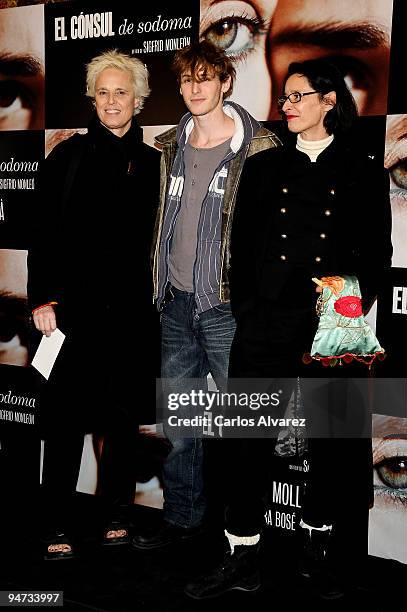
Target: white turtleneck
x,y
313,147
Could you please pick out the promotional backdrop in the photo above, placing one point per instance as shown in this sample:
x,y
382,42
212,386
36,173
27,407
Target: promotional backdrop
x,y
43,52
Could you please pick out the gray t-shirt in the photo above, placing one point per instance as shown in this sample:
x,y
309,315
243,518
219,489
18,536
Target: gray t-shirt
x,y
200,167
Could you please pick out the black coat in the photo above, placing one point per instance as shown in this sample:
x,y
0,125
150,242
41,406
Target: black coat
x,y
91,255
296,219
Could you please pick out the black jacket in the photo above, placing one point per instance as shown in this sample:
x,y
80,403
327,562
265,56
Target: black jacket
x,y
95,217
90,254
296,219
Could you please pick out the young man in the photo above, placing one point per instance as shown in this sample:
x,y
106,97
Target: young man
x,y
201,164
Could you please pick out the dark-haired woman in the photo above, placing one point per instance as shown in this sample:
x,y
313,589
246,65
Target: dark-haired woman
x,y
318,206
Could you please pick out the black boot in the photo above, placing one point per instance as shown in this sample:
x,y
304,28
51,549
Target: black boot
x,y
165,535
238,571
314,563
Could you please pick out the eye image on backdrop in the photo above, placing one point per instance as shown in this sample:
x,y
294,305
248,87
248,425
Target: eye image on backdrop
x,y
395,160
22,68
13,308
264,37
388,518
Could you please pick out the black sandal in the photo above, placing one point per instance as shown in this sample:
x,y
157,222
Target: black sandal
x,y
57,539
117,540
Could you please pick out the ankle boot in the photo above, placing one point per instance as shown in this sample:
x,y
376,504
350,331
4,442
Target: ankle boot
x,y
314,566
238,571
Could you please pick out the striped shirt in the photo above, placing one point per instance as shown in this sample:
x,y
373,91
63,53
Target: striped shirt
x,y
206,267
200,167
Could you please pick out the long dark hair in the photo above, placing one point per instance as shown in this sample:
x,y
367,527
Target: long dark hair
x,y
324,77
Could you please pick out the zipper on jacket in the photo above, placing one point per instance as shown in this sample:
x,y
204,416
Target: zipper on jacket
x,y
220,166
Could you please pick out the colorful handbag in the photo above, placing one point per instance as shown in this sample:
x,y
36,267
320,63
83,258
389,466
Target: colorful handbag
x,y
343,333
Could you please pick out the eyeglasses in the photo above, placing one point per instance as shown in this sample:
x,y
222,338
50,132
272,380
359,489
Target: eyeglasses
x,y
293,97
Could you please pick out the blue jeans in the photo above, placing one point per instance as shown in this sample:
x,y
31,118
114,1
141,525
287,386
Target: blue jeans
x,y
193,345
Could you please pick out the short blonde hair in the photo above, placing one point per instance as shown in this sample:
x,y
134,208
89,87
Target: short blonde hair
x,y
120,61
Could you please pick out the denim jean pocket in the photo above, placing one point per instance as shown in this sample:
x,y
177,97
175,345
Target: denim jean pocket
x,y
168,299
223,308
164,310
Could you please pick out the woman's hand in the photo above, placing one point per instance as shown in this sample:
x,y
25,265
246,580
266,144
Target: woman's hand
x,y
335,284
45,320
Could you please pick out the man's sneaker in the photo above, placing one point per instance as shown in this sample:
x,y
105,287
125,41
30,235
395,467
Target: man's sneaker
x,y
165,535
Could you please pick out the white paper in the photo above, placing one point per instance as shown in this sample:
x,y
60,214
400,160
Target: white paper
x,y
47,352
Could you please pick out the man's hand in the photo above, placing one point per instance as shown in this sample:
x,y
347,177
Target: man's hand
x,y
45,320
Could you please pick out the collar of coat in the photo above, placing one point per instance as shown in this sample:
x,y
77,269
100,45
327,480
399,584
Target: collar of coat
x,y
101,135
245,128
